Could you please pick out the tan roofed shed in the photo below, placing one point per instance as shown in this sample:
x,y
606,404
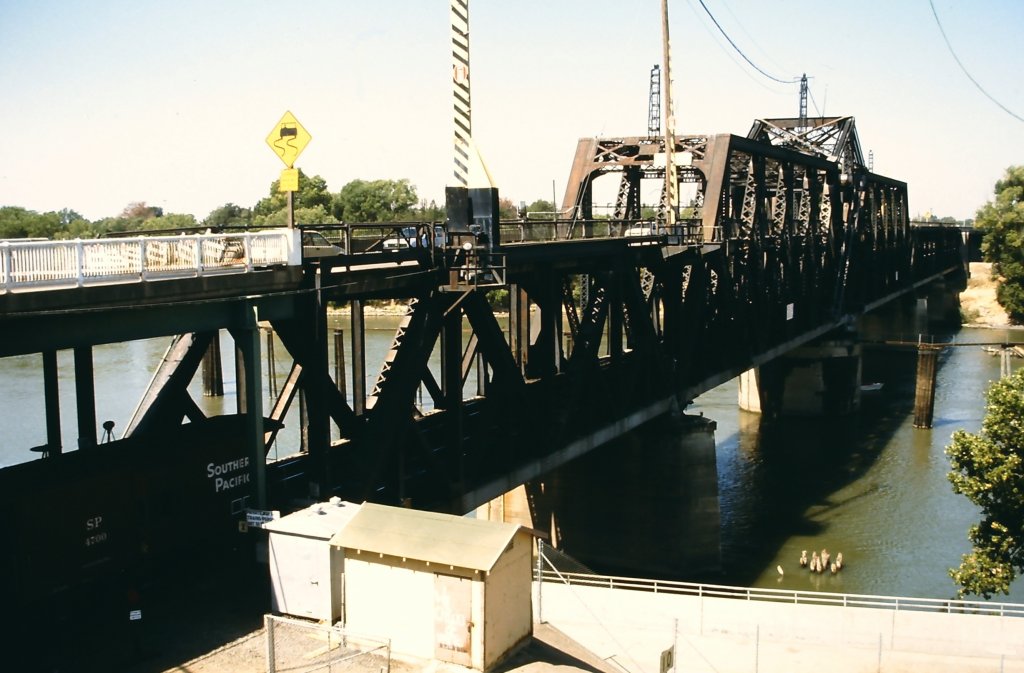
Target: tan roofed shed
x,y
440,586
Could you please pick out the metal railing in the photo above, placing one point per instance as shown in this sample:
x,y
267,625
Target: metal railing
x,y
684,232
786,596
44,264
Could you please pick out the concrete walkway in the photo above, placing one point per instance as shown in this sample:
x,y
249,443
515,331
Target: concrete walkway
x,y
632,628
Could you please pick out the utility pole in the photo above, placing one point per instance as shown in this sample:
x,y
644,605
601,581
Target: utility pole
x,y
671,181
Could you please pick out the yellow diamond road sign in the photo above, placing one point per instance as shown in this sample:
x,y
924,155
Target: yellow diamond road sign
x,y
288,139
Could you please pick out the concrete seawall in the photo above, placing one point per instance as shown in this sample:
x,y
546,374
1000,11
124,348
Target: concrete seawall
x,y
632,629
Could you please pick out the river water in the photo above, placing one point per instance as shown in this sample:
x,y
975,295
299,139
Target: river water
x,y
870,485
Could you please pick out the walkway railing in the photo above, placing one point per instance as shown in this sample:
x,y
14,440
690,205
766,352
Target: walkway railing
x,y
42,264
786,596
684,232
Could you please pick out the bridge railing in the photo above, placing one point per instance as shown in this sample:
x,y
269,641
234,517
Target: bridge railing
x,y
684,232
38,264
785,596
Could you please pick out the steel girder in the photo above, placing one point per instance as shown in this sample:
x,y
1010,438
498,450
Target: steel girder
x,y
792,206
789,248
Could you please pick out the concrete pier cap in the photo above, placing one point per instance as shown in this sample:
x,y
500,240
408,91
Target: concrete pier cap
x,y
658,516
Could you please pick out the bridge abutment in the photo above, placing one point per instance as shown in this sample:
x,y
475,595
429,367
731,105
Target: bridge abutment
x,y
646,503
819,380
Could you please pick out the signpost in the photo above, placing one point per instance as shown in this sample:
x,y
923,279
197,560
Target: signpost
x,y
288,138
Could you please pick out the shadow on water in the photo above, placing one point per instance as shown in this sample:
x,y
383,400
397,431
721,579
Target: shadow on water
x,y
788,477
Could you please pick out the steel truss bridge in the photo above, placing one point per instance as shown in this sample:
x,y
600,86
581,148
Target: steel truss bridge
x,y
613,322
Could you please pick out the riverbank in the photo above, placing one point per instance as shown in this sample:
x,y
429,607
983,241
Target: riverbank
x,y
978,304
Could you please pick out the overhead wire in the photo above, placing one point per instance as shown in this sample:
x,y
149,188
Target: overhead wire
x,y
750,38
725,50
814,103
740,51
959,63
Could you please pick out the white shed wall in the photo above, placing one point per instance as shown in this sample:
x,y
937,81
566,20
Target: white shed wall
x,y
382,598
303,571
508,610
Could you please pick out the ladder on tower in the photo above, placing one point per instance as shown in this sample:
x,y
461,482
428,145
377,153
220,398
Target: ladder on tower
x,y
654,103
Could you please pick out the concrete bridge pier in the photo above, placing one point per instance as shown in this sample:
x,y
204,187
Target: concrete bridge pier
x,y
819,380
645,504
943,300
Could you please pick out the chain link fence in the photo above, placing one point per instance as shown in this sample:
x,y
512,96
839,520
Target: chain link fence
x,y
296,646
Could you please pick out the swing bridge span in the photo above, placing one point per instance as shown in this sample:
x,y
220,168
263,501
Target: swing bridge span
x,y
612,322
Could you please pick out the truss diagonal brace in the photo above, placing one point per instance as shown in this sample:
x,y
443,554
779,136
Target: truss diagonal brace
x,y
166,401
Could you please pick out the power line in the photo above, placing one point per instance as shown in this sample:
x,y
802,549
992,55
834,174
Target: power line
x,y
729,52
815,103
750,38
957,59
740,51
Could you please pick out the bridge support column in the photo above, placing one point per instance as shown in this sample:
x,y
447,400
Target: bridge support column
x,y
51,393
809,381
519,326
85,397
358,331
213,371
644,504
943,304
250,387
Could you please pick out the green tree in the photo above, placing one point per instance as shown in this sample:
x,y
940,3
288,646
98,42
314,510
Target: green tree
x,y
315,215
374,201
110,225
17,222
430,212
81,228
67,216
229,215
541,206
507,210
173,221
988,468
1002,222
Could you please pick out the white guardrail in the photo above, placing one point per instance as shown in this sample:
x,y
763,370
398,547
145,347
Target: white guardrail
x,y
56,264
786,596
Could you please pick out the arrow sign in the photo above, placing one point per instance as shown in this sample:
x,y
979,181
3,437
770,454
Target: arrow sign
x,y
288,138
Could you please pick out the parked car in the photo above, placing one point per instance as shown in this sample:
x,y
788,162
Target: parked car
x,y
409,237
641,229
315,244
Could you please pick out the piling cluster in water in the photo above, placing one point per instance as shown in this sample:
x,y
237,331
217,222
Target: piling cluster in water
x,y
819,564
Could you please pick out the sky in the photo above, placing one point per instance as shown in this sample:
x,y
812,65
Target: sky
x,y
111,102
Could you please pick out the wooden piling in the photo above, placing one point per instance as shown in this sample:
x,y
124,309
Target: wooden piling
x,y
924,394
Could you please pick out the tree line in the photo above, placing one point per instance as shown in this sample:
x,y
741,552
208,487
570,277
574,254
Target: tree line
x,y
988,466
357,201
